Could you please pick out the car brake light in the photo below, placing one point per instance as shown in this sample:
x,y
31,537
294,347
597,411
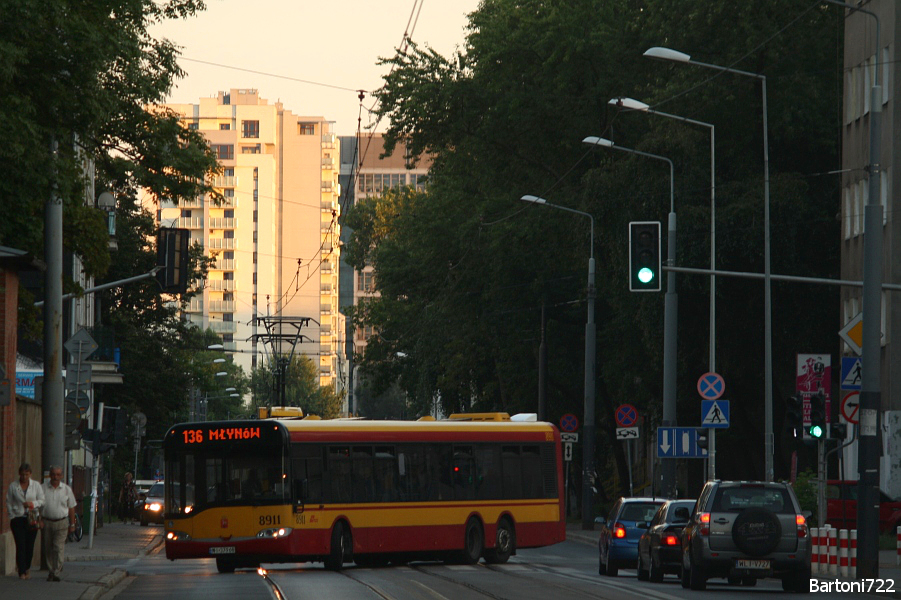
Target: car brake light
x,y
705,523
671,540
801,522
619,531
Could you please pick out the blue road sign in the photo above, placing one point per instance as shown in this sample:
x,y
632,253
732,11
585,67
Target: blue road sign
x,y
715,414
679,442
850,373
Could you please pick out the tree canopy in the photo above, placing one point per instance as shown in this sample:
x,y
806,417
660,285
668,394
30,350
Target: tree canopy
x,y
464,268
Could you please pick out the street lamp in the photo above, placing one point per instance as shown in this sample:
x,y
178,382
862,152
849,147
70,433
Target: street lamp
x,y
636,105
590,347
670,314
681,57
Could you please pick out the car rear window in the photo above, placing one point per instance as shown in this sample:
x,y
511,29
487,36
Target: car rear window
x,y
639,511
736,499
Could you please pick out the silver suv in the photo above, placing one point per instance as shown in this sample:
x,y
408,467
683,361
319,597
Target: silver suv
x,y
744,531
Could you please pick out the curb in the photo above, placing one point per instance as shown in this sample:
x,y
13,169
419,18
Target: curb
x,y
104,584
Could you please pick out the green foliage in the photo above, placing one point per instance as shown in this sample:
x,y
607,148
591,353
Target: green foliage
x,y
805,487
301,389
464,268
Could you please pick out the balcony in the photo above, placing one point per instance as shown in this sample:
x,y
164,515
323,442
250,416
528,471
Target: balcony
x,y
227,202
223,243
221,306
327,205
223,181
325,371
325,329
224,326
328,140
190,223
195,306
222,285
223,223
191,203
325,288
224,264
326,266
230,346
325,309
325,350
328,163
327,186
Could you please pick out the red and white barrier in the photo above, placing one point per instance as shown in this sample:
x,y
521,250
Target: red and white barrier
x,y
852,554
815,551
843,552
898,543
833,552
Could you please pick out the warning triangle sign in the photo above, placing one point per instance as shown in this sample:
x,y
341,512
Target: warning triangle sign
x,y
716,416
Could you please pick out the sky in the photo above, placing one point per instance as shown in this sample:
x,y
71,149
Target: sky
x,y
269,45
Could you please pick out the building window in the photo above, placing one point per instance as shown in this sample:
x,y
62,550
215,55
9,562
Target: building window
x,y
229,192
186,214
195,126
306,128
366,281
224,151
224,126
254,149
228,172
250,129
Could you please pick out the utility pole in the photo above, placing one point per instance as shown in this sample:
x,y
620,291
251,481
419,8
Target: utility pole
x,y
53,444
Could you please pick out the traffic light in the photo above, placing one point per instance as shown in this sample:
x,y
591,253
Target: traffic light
x,y
794,416
838,431
817,429
644,256
73,426
172,258
701,438
115,422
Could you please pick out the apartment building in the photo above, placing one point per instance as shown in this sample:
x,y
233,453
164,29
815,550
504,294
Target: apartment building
x,y
861,57
275,239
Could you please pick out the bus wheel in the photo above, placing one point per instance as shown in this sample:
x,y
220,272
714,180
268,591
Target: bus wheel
x,y
473,542
225,565
504,544
341,549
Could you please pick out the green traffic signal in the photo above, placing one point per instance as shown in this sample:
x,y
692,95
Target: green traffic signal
x,y
645,275
816,431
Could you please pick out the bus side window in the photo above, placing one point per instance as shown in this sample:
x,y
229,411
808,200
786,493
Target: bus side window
x,y
531,472
512,472
362,474
386,467
488,461
445,464
464,473
339,474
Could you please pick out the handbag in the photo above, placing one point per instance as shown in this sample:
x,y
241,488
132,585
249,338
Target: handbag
x,y
35,521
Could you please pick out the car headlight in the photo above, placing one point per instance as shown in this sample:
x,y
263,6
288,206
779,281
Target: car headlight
x,y
154,507
177,536
275,532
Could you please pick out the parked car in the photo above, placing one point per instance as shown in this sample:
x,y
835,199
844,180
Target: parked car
x,y
660,547
841,507
745,531
618,541
151,510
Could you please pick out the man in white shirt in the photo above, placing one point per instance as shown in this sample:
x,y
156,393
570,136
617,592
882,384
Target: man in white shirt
x,y
59,520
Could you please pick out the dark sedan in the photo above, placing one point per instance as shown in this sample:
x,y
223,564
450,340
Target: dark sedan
x,y
660,547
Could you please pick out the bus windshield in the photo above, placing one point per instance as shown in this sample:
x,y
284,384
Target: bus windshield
x,y
211,477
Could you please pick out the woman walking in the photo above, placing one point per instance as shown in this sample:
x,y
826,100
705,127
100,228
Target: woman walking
x,y
23,495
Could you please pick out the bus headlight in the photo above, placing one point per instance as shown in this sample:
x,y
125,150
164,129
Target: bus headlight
x,y
275,532
177,536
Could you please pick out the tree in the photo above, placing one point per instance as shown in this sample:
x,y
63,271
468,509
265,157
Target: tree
x,y
464,268
301,389
87,75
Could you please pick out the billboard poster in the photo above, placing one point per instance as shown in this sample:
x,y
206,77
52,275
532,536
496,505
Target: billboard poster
x,y
25,382
814,375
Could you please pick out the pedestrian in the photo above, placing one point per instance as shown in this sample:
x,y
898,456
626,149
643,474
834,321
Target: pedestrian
x,y
59,520
128,495
24,494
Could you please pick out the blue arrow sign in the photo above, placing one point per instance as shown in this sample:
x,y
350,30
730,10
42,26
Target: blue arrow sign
x,y
679,442
715,414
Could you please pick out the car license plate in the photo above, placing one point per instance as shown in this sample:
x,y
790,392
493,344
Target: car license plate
x,y
747,563
222,550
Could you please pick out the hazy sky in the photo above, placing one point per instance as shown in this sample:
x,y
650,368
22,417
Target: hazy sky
x,y
336,43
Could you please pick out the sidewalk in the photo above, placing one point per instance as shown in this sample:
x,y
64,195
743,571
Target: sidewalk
x,y
83,577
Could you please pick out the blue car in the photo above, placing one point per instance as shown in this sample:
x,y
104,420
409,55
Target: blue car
x,y
620,532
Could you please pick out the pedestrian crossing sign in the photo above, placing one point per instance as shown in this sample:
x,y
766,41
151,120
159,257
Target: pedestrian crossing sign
x,y
715,414
851,373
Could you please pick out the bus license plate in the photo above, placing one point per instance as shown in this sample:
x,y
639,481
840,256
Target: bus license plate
x,y
222,550
746,563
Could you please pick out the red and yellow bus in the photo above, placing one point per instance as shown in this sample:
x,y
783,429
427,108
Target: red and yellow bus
x,y
370,492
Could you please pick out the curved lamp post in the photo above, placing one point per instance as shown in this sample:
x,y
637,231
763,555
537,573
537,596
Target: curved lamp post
x,y
590,348
670,314
681,57
636,105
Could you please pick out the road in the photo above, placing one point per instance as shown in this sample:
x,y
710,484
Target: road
x,y
567,571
